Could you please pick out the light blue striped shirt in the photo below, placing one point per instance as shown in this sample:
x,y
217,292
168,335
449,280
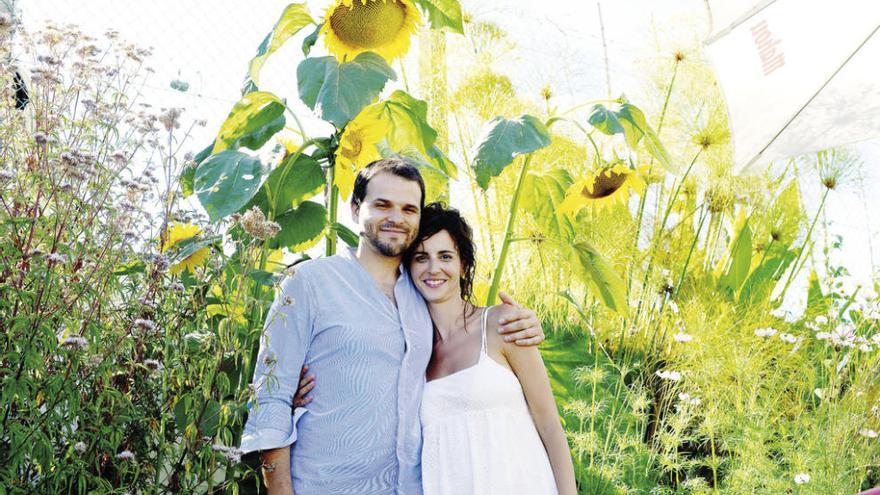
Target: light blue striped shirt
x,y
361,432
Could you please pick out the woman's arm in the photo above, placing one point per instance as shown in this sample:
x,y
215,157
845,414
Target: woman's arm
x,y
528,366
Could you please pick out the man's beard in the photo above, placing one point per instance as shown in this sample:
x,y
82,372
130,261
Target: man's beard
x,y
371,233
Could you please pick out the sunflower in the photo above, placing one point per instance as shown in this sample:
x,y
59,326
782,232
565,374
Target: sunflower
x,y
604,188
357,148
177,233
380,26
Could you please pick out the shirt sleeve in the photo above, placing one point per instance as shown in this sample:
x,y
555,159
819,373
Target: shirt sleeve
x,y
287,333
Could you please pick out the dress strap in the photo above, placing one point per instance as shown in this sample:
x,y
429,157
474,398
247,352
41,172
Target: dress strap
x,y
485,317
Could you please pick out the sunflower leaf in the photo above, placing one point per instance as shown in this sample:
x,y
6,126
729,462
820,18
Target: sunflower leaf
x,y
407,118
291,183
503,141
346,234
542,195
293,19
339,91
310,40
602,279
629,121
253,120
301,227
443,14
227,181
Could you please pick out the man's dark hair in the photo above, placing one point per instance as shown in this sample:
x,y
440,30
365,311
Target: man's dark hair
x,y
392,165
437,217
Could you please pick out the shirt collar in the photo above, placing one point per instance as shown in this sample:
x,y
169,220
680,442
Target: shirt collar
x,y
349,253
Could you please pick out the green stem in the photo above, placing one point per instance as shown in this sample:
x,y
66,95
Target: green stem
x,y
691,251
794,266
333,199
508,232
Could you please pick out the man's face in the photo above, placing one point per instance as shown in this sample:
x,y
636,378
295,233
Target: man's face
x,y
389,213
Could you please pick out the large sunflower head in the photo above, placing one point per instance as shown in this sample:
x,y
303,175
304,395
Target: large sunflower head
x,y
357,148
177,233
603,188
383,27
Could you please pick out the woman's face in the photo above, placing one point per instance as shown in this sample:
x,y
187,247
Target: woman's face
x,y
436,268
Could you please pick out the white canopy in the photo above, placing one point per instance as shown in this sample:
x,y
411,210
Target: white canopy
x,y
798,75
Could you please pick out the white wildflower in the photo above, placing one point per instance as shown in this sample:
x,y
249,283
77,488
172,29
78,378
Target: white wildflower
x,y
868,433
765,332
801,478
56,258
689,399
75,341
153,364
778,313
144,324
787,337
682,337
843,335
821,320
669,375
823,335
673,307
80,447
125,455
6,176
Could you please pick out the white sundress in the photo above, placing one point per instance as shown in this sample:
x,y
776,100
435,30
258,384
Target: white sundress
x,y
478,435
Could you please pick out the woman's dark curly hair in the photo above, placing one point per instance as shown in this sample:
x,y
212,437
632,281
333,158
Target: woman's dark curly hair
x,y
437,217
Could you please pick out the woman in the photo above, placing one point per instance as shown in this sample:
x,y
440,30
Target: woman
x,y
489,420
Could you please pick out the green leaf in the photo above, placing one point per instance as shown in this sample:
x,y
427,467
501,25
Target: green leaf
x,y
503,141
301,227
407,118
188,176
210,419
817,302
443,14
311,39
293,19
629,121
542,194
757,288
227,181
252,121
134,266
184,249
442,162
339,92
295,180
738,261
181,410
263,277
346,234
436,181
601,277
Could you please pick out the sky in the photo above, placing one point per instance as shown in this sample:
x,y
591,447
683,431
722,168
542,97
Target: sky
x,y
208,44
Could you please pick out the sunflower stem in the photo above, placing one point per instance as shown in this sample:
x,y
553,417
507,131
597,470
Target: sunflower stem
x,y
332,200
508,232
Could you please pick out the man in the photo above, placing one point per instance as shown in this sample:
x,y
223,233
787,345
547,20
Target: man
x,y
358,322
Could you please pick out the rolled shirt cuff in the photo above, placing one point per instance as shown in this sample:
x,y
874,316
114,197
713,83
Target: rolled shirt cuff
x,y
270,426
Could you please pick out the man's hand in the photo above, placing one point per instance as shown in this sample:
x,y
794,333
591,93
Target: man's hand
x,y
306,384
517,324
